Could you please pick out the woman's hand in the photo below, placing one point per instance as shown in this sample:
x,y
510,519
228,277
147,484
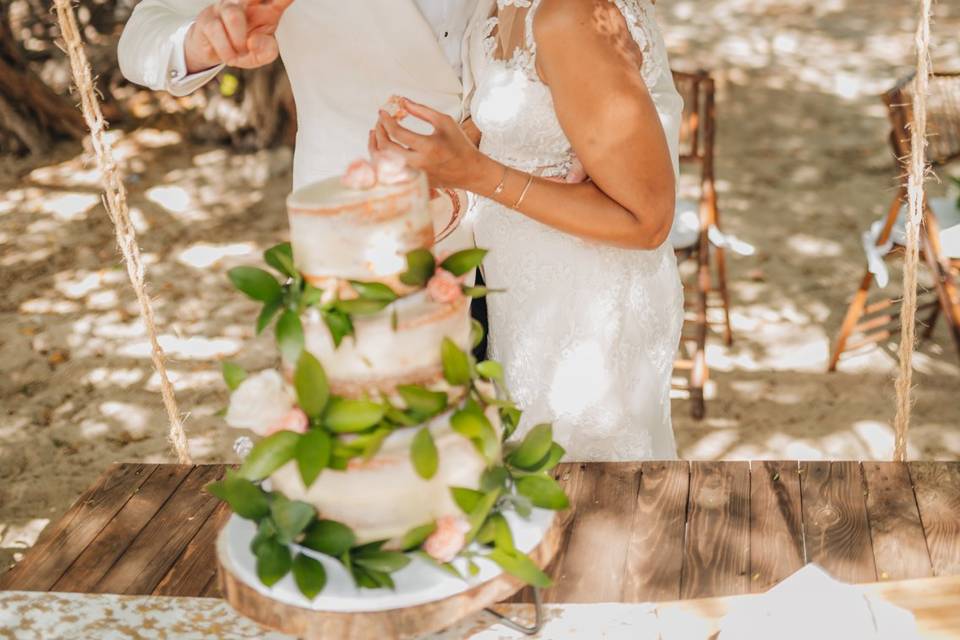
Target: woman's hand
x,y
447,156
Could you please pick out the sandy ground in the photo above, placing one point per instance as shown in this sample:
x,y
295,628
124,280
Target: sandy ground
x,y
803,168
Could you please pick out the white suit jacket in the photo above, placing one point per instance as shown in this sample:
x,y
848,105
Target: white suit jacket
x,y
345,58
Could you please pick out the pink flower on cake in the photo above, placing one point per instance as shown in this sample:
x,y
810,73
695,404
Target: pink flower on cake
x,y
445,543
391,168
444,287
295,420
360,176
260,402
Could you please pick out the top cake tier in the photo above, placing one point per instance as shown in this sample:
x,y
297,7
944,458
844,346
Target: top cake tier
x,y
342,233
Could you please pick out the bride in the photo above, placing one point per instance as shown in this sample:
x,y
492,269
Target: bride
x,y
589,322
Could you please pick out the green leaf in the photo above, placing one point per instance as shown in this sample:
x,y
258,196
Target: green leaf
x,y
423,403
313,454
351,416
494,478
423,454
463,261
245,498
398,417
553,458
290,336
543,491
491,370
373,441
361,306
266,314
420,268
446,566
233,374
417,536
291,517
466,499
374,291
273,561
255,283
269,454
502,536
509,420
479,292
309,575
311,295
476,333
265,531
478,516
385,561
520,566
475,426
280,257
456,364
534,447
329,537
339,323
310,382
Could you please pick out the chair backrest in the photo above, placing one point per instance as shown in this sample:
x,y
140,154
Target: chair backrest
x,y
943,117
698,121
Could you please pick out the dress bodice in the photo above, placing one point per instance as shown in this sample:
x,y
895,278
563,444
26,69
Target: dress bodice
x,y
514,109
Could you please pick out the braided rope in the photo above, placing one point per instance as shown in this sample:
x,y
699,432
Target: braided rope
x,y
915,184
115,202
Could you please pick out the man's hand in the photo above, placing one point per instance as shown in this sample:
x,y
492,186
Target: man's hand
x,y
238,33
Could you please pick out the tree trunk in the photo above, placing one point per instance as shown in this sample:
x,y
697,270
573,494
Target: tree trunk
x,y
31,114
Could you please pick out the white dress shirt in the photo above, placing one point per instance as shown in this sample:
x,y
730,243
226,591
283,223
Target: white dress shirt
x,y
447,18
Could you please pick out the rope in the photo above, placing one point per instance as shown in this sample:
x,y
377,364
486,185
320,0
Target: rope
x,y
115,202
918,167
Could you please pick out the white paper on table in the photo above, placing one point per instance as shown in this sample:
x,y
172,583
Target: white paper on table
x,y
811,604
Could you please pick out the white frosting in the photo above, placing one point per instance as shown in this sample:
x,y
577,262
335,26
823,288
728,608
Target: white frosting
x,y
386,498
338,232
380,355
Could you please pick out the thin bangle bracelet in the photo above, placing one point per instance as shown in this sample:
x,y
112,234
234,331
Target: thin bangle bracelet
x,y
523,194
503,182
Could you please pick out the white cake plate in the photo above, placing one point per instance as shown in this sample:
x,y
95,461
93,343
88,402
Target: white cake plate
x,y
426,599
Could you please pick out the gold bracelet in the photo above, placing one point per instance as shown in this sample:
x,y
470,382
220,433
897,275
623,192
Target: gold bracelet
x,y
523,194
503,182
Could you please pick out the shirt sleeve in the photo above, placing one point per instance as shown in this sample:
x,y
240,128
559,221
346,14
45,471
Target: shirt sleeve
x,y
179,82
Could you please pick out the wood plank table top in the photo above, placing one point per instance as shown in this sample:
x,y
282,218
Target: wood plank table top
x,y
636,532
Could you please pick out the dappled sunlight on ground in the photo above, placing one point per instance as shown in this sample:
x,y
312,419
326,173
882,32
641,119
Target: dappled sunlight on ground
x,y
803,168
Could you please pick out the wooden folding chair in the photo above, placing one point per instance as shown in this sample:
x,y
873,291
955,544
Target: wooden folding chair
x,y
870,321
691,233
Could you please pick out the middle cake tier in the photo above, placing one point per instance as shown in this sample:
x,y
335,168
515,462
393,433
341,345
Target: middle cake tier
x,y
398,346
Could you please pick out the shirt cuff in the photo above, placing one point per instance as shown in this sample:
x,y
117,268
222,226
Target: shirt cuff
x,y
179,82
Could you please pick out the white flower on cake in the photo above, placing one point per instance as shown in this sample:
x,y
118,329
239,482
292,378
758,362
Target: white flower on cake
x,y
261,403
448,539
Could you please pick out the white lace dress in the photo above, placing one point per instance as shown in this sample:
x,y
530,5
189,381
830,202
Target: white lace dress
x,y
587,333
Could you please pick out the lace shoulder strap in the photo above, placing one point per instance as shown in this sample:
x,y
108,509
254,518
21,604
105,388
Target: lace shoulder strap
x,y
641,21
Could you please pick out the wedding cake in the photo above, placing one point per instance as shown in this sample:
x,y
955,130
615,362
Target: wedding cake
x,y
380,438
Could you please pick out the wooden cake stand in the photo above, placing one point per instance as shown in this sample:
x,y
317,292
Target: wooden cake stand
x,y
400,623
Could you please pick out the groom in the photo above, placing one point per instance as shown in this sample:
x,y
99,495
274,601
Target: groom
x,y
344,59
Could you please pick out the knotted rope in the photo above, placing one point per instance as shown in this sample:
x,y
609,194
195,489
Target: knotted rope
x,y
115,202
915,185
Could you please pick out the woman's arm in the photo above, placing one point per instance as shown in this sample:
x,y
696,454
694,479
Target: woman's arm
x,y
607,113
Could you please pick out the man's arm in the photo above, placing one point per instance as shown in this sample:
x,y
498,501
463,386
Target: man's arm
x,y
151,49
179,45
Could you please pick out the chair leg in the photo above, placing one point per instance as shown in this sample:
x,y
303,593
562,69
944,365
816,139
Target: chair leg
x,y
699,371
724,295
931,323
854,312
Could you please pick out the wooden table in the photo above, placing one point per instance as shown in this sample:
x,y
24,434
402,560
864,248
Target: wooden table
x,y
653,531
